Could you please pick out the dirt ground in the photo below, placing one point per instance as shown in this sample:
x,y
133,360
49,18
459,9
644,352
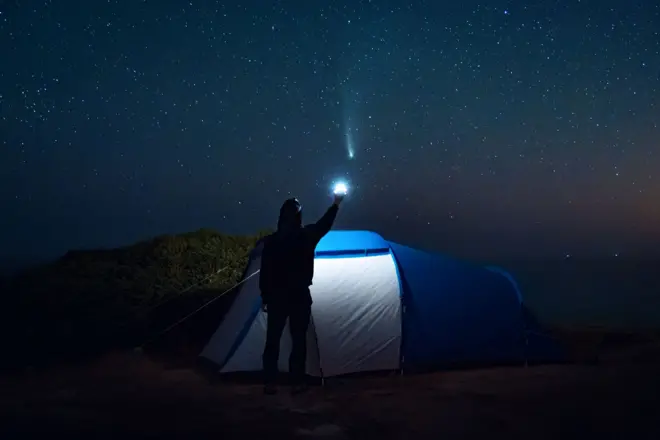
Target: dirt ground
x,y
130,396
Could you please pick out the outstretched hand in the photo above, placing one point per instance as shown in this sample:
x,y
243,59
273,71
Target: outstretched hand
x,y
339,197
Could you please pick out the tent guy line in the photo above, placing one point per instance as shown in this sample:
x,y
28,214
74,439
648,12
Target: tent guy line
x,y
181,292
180,321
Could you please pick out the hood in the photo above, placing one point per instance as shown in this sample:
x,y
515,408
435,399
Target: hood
x,y
290,216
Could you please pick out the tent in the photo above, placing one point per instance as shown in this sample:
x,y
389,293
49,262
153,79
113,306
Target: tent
x,y
379,305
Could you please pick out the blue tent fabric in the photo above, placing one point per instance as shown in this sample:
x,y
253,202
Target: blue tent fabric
x,y
511,279
351,242
540,346
456,313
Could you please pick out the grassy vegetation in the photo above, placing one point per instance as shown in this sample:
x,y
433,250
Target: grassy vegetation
x,y
92,300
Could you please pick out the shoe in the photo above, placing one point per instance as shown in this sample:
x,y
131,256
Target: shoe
x,y
270,390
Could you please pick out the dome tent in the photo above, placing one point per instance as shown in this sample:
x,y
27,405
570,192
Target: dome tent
x,y
379,305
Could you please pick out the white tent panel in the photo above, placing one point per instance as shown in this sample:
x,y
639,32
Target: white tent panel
x,y
228,331
357,314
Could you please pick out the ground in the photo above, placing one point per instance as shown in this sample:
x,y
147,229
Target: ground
x,y
129,395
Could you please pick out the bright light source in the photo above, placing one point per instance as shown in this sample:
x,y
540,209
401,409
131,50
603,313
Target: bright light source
x,y
340,188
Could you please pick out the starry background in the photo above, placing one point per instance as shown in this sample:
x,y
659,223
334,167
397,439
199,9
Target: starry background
x,y
482,129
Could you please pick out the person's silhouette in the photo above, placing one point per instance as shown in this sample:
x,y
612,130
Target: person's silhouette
x,y
287,269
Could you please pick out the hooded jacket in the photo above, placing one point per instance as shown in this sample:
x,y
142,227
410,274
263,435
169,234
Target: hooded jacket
x,y
287,259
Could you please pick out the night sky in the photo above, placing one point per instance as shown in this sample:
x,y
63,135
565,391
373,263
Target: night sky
x,y
476,128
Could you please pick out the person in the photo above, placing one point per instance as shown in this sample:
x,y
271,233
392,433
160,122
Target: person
x,y
287,269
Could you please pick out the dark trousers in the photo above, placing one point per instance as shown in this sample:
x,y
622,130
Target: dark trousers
x,y
299,315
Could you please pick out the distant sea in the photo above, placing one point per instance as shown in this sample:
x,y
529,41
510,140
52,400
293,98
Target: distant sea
x,y
610,292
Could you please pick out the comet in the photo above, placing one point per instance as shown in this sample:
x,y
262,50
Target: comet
x,y
350,148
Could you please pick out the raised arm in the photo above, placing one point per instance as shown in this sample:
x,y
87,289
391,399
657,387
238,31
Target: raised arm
x,y
324,224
